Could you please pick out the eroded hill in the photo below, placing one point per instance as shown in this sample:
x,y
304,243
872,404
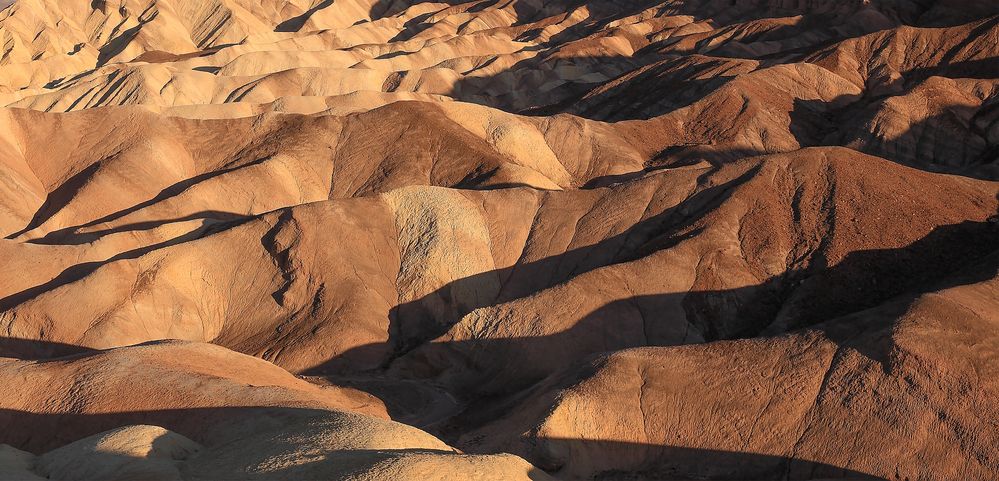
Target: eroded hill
x,y
693,239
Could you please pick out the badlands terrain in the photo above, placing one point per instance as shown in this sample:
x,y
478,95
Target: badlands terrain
x,y
499,240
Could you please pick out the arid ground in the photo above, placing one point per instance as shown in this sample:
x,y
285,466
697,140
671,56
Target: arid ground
x,y
499,240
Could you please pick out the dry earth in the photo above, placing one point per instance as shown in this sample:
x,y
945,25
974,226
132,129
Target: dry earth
x,y
499,240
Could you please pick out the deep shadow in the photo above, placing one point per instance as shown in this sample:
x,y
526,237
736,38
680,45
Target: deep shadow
x,y
601,14
58,198
387,8
70,237
495,90
41,432
817,26
76,272
640,97
295,24
678,463
119,43
33,349
159,56
960,142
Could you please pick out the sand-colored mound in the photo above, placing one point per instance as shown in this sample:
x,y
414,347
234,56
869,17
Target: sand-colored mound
x,y
131,452
160,383
151,452
228,414
154,453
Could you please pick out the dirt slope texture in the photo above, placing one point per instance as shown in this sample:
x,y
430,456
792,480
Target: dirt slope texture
x,y
384,240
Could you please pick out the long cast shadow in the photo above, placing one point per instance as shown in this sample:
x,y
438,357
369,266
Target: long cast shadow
x,y
801,298
296,23
35,349
76,272
68,234
854,304
58,198
417,322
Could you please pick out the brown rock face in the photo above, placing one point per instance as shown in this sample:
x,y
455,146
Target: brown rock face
x,y
383,240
